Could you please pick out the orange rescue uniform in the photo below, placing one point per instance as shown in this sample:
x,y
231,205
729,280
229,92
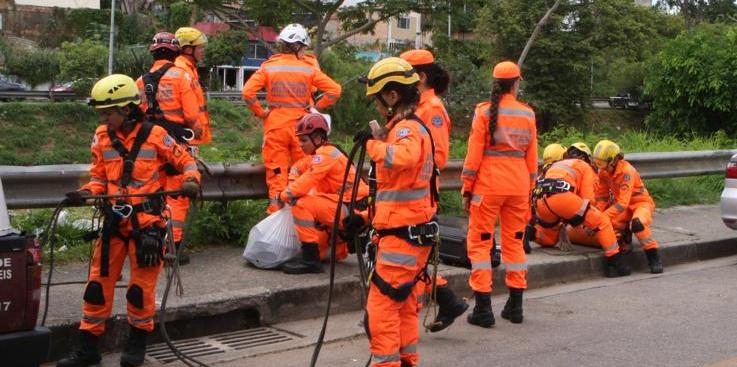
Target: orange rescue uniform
x,y
573,206
499,177
314,186
105,172
404,168
187,64
289,83
631,202
179,103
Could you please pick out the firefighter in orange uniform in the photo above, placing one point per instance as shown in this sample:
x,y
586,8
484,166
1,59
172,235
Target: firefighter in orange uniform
x,y
404,209
288,79
134,227
566,194
433,82
632,207
498,176
170,101
193,42
315,183
548,237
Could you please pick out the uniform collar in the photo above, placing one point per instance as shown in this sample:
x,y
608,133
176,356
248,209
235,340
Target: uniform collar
x,y
159,63
427,95
131,135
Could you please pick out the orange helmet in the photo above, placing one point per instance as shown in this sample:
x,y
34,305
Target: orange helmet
x,y
164,40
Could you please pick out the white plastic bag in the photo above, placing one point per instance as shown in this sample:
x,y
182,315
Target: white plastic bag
x,y
273,241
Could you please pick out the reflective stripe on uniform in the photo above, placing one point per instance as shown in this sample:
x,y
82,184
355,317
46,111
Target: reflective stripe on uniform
x,y
190,167
583,207
486,264
410,348
287,104
516,112
147,153
177,223
335,153
399,258
475,198
93,319
611,247
516,266
110,154
619,207
389,157
291,68
646,240
305,223
142,321
384,358
173,111
565,167
401,195
468,173
504,153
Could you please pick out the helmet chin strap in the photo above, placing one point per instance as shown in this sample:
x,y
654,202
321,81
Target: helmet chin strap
x,y
389,109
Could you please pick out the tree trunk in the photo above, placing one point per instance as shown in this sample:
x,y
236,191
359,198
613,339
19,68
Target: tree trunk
x,y
536,32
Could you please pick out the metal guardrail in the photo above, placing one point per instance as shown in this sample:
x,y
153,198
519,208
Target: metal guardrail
x,y
235,96
44,186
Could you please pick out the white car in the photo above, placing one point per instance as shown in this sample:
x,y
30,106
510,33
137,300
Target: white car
x,y
728,200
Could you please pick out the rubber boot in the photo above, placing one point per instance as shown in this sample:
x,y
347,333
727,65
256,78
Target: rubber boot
x,y
309,263
482,314
183,256
450,307
85,354
513,308
615,266
653,260
135,350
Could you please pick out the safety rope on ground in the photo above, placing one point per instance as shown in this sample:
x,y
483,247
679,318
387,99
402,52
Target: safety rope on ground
x,y
432,303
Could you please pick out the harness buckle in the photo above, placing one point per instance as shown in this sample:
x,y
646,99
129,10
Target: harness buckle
x,y
563,185
124,211
190,134
424,230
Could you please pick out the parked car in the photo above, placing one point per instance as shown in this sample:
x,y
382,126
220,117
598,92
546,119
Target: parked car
x,y
72,85
64,87
6,84
728,201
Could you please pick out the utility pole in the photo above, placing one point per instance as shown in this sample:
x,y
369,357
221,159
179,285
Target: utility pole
x,y
112,39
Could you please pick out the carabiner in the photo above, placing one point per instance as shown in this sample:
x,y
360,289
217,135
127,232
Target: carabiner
x,y
124,211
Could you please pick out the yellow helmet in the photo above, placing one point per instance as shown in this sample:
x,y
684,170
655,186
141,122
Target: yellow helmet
x,y
188,36
605,153
391,69
116,90
581,146
552,153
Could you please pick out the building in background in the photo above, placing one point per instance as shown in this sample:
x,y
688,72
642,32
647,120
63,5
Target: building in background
x,y
74,4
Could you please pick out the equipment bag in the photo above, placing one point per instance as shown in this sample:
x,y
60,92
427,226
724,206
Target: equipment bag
x,y
453,249
273,241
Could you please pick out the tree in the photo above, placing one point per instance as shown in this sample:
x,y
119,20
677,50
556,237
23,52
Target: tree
x,y
35,66
697,11
693,83
86,59
226,48
359,17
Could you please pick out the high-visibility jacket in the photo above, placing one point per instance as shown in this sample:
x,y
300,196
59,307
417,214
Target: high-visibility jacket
x,y
576,172
404,168
322,174
288,82
176,98
187,64
159,148
509,166
432,111
624,185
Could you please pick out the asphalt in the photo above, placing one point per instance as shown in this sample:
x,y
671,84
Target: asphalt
x,y
222,293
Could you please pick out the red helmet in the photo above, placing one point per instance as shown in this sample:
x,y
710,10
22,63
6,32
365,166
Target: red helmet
x,y
164,40
311,122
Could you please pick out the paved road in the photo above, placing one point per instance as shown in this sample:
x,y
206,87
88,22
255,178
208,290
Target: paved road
x,y
685,317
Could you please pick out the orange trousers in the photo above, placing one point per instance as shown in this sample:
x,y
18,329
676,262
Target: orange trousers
x,y
423,290
179,206
567,205
99,292
512,213
641,211
313,220
393,325
280,149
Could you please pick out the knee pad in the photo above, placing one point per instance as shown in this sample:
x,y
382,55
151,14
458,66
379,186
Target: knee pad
x,y
135,296
93,294
637,226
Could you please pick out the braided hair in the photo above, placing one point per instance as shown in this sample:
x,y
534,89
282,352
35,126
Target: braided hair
x,y
500,87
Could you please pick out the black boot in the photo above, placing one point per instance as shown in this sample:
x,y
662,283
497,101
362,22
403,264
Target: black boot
x,y
450,307
86,353
183,256
513,308
653,260
309,263
615,266
482,314
135,349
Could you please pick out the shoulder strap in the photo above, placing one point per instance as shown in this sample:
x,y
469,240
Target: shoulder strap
x,y
435,194
129,159
151,88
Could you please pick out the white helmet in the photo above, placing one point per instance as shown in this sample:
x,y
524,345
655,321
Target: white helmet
x,y
293,33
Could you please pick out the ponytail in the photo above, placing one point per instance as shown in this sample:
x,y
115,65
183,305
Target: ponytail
x,y
500,87
437,78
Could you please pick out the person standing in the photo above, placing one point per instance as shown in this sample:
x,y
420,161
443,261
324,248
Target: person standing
x,y
498,175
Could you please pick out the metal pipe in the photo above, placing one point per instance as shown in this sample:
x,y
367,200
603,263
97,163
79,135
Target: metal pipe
x,y
112,39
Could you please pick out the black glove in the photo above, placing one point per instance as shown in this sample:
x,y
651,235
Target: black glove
x,y
77,197
353,224
150,248
363,136
190,188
